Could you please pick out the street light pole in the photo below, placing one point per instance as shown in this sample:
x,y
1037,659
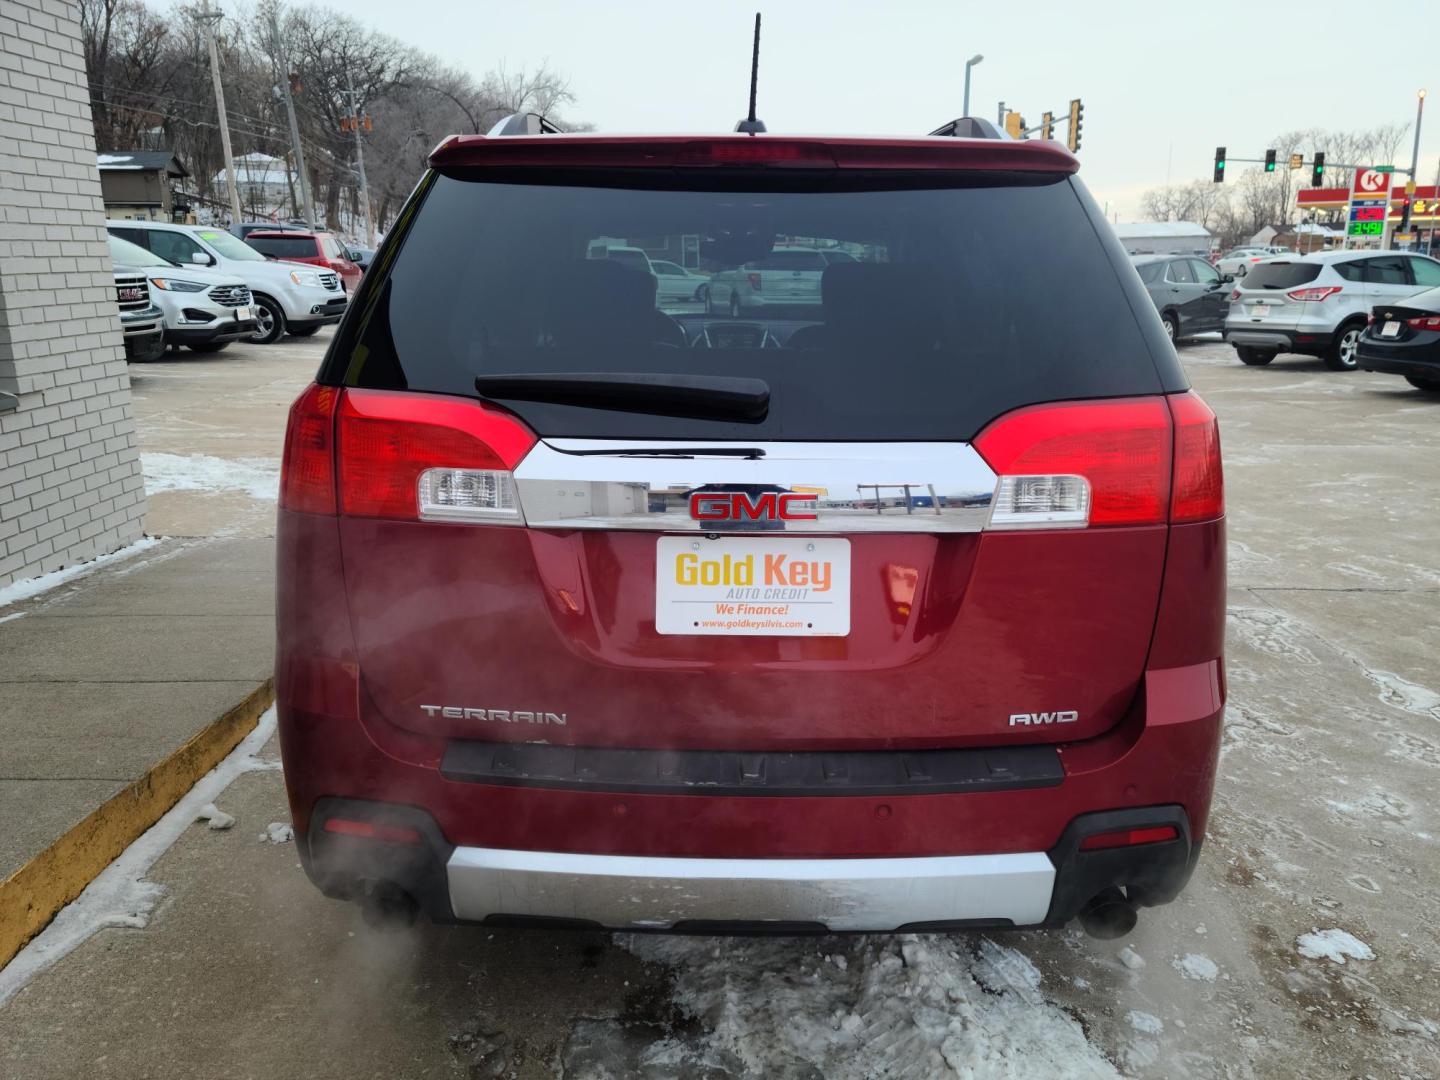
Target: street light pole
x,y
1414,163
965,110
232,182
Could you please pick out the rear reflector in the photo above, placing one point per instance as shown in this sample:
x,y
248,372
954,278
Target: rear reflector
x,y
307,469
1198,493
369,830
1129,838
1120,449
464,450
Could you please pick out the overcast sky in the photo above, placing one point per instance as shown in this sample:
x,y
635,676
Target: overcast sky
x,y
1163,84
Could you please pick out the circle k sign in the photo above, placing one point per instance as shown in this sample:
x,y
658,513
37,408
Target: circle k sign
x,y
1371,184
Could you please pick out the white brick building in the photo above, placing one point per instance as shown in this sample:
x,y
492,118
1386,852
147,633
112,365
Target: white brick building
x,y
70,484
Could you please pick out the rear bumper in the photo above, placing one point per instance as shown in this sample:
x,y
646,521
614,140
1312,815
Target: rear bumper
x,y
1394,362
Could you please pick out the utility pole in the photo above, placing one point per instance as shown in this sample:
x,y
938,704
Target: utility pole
x,y
360,162
965,105
1414,164
284,89
210,18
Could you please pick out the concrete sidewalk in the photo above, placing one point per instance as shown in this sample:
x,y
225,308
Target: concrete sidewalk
x,y
118,690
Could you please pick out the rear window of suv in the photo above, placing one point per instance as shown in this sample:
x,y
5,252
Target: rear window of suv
x,y
284,247
1280,275
954,303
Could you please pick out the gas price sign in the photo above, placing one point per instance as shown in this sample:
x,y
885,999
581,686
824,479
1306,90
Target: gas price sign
x,y
1369,203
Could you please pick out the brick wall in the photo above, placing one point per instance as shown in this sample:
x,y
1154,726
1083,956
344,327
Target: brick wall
x,y
70,484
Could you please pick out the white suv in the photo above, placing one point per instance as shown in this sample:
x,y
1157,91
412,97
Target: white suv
x,y
204,309
290,298
1318,304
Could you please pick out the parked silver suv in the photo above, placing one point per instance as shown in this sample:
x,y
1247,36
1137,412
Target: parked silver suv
x,y
1318,304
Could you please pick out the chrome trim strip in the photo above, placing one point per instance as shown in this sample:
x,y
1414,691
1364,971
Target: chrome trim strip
x,y
858,487
637,892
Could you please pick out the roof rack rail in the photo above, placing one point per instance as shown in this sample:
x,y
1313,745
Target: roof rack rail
x,y
528,123
969,127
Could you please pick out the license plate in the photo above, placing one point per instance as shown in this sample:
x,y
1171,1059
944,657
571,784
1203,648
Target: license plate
x,y
746,586
241,314
1390,329
1260,310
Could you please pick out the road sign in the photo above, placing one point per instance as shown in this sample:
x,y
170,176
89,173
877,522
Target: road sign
x,y
1384,168
1409,187
1369,203
1297,160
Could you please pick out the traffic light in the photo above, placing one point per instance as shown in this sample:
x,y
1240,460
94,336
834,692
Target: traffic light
x,y
1269,160
1219,165
1077,114
1047,125
1014,125
1317,171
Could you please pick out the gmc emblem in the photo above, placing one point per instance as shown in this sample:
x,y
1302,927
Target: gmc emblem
x,y
132,293
742,506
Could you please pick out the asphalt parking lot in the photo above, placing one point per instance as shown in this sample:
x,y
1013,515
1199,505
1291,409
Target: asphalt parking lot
x,y
1306,946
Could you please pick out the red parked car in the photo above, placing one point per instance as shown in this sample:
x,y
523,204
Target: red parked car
x,y
315,248
897,608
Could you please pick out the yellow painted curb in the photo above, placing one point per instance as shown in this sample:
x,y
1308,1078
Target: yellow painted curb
x,y
33,895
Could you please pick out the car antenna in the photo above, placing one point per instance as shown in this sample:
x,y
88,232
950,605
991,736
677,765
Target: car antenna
x,y
750,125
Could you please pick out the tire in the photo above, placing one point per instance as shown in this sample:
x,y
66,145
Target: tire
x,y
1430,385
303,331
702,294
269,321
208,346
1343,353
734,305
1253,357
1172,327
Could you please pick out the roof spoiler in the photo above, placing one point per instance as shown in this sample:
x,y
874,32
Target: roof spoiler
x,y
528,123
969,127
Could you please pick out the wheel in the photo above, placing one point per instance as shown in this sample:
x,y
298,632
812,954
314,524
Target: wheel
x,y
1172,327
1432,385
702,293
304,331
1341,355
734,305
209,346
269,321
1252,356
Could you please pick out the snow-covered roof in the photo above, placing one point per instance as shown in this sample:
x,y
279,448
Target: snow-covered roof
x,y
141,161
1136,230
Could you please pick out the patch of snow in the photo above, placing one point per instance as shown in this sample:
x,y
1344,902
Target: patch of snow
x,y
257,477
216,817
1403,694
1196,966
120,896
277,832
1144,1022
1333,945
1081,984
902,1006
1131,959
24,590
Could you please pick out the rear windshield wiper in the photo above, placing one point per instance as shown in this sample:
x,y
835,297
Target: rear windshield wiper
x,y
702,397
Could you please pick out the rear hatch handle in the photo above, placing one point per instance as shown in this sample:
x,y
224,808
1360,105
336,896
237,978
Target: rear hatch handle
x,y
700,397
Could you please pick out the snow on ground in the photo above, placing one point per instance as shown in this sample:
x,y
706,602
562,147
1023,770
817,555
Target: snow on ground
x,y
277,832
892,1006
24,590
1196,966
1333,945
257,477
120,896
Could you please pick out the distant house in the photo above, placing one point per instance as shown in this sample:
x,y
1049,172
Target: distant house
x,y
143,185
262,181
1301,238
1165,237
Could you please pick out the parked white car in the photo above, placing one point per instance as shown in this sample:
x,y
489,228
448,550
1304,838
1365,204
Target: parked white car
x,y
677,285
292,298
1237,261
204,309
787,277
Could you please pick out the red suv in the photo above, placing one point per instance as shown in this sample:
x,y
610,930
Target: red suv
x,y
895,606
315,248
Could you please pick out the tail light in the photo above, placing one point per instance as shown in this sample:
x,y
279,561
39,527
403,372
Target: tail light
x,y
754,281
1425,322
307,469
1316,292
1076,463
1198,490
1235,294
1369,320
428,457
1157,834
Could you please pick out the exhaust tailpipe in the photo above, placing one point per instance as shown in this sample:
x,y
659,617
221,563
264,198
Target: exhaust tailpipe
x,y
1108,915
386,906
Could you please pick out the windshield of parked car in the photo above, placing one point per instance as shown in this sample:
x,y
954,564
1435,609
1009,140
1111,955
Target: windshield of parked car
x,y
923,330
230,246
124,253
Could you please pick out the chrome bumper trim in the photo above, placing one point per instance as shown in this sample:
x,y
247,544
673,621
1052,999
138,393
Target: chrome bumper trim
x,y
638,892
